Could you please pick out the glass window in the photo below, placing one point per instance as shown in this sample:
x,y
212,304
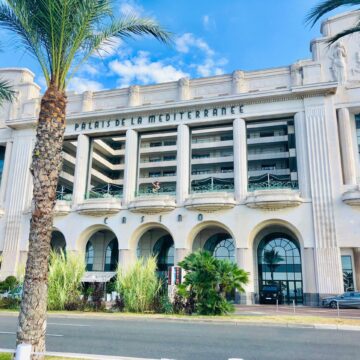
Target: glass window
x,y
111,256
212,161
66,179
106,167
89,256
346,262
271,154
357,123
2,158
222,246
159,177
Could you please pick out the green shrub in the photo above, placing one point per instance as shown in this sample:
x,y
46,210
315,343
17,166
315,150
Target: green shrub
x,y
65,274
208,280
9,303
9,284
139,285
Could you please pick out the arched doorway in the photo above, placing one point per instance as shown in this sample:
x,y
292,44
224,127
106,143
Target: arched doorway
x,y
217,241
102,251
279,261
58,242
158,242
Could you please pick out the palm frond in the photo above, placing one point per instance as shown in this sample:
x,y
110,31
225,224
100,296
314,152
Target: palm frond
x,y
6,92
346,32
326,6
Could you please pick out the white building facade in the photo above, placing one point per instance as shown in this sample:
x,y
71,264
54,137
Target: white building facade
x,y
237,164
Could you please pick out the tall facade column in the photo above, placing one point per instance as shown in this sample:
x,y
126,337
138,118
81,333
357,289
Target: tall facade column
x,y
15,220
245,261
81,168
326,251
127,258
131,160
183,164
240,159
180,254
346,147
302,155
5,173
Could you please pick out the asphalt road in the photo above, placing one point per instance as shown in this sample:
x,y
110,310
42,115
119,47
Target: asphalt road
x,y
196,341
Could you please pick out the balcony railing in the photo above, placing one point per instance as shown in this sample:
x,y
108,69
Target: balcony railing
x,y
212,184
154,192
64,193
105,191
269,181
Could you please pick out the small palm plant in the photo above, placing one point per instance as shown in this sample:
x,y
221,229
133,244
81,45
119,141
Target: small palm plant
x,y
61,35
6,92
272,259
324,7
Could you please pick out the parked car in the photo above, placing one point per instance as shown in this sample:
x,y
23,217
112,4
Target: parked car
x,y
269,294
349,299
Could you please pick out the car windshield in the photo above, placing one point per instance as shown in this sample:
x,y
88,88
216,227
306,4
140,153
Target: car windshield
x,y
270,288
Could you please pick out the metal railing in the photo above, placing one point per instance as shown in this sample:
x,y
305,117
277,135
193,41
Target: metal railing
x,y
269,182
153,192
106,191
64,193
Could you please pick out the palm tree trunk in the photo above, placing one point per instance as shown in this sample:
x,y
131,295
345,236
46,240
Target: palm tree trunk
x,y
46,166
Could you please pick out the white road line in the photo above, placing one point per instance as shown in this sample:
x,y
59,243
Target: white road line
x,y
14,333
64,324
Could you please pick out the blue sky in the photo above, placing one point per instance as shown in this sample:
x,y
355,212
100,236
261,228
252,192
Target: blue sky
x,y
211,37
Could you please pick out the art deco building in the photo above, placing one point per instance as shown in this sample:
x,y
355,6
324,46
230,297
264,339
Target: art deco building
x,y
236,164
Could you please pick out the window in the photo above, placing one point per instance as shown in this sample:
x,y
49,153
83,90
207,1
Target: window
x,y
348,274
89,256
111,256
2,158
215,174
271,160
357,123
106,167
169,157
221,246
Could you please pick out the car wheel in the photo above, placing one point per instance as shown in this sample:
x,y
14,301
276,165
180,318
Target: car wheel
x,y
333,305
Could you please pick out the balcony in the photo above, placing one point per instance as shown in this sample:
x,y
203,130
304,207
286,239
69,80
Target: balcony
x,y
153,201
210,201
102,200
273,199
63,201
352,197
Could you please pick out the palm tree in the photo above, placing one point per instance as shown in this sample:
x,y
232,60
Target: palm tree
x,y
61,35
272,259
6,93
325,7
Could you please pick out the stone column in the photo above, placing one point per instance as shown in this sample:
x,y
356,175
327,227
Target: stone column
x,y
245,261
180,254
183,164
131,160
15,222
81,169
346,147
127,258
326,250
5,173
357,268
240,159
302,155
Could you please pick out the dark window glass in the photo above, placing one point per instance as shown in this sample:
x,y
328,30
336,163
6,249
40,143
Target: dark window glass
x,y
348,273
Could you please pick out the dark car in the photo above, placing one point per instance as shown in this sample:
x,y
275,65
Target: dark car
x,y
269,294
349,299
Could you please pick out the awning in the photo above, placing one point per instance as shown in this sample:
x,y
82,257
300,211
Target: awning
x,y
98,276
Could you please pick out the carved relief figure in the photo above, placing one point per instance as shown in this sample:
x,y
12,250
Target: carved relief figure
x,y
134,97
338,65
238,82
296,74
184,88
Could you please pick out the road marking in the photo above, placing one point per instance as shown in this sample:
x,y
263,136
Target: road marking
x,y
14,333
64,324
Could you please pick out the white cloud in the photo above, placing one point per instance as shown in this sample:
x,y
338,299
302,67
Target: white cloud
x,y
130,7
211,67
81,84
141,69
187,41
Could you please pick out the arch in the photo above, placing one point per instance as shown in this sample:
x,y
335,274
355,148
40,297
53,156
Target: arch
x,y
142,229
102,251
262,228
222,246
278,256
58,241
203,225
86,234
156,240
